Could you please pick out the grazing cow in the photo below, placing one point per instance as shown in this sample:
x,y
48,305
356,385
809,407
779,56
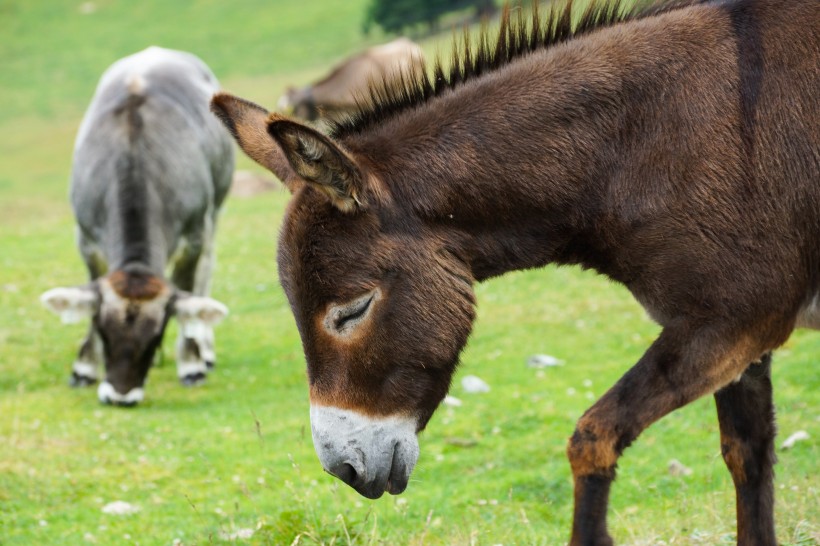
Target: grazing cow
x,y
675,149
151,168
336,94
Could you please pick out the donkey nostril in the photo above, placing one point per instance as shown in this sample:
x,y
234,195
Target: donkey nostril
x,y
345,472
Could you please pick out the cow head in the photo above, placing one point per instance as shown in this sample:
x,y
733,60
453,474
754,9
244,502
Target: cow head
x,y
129,310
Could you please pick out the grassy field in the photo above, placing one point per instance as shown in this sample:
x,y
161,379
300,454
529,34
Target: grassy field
x,y
210,465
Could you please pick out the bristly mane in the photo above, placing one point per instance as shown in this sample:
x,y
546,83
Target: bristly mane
x,y
395,93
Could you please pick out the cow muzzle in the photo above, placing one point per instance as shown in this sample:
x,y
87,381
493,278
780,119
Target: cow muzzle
x,y
107,394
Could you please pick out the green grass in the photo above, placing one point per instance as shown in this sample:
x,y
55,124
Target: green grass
x,y
235,454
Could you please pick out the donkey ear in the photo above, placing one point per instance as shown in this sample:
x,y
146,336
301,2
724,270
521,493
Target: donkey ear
x,y
320,161
247,121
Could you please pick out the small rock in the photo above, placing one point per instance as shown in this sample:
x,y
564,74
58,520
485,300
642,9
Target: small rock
x,y
798,436
452,401
474,384
460,442
677,468
120,508
239,534
543,361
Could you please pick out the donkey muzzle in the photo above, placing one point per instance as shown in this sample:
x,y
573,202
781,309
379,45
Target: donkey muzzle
x,y
370,454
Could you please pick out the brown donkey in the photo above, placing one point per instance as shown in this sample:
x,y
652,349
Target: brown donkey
x,y
674,149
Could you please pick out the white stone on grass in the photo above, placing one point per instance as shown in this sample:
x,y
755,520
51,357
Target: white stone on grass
x,y
544,361
452,401
677,468
474,384
120,508
239,534
798,436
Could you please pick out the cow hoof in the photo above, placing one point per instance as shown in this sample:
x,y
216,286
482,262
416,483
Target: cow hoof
x,y
192,380
119,403
77,380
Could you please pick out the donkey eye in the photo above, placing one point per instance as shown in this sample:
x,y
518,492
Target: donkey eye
x,y
345,317
348,317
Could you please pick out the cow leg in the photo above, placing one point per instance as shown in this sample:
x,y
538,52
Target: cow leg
x,y
84,371
93,257
202,287
191,368
185,265
195,350
682,365
747,430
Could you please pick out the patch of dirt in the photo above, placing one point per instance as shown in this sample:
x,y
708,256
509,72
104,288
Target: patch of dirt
x,y
248,184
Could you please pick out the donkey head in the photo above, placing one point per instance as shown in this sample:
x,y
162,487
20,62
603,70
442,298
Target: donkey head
x,y
130,309
382,303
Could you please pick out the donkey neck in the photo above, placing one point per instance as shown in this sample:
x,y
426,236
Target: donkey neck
x,y
516,167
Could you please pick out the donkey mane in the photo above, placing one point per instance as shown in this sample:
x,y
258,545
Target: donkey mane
x,y
405,90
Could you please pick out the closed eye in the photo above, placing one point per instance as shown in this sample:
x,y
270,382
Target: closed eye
x,y
342,319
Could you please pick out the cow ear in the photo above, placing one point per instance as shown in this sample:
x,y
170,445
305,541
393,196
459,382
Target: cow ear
x,y
72,304
247,123
320,161
193,312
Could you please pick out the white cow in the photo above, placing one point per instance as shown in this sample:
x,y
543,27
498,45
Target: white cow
x,y
151,168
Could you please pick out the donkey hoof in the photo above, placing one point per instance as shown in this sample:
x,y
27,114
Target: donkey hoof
x,y
193,379
77,380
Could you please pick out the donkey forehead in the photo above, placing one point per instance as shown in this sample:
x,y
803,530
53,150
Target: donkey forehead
x,y
325,247
312,215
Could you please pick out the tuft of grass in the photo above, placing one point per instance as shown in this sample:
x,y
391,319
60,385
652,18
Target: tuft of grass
x,y
53,53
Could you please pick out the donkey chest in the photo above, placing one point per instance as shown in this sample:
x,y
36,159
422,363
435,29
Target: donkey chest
x,y
653,309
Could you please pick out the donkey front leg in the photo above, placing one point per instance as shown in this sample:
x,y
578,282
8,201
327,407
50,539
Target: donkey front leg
x,y
682,365
747,430
89,359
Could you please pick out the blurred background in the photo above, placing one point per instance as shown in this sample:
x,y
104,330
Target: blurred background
x,y
232,461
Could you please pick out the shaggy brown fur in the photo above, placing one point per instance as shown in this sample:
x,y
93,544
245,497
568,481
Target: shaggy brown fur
x,y
675,150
